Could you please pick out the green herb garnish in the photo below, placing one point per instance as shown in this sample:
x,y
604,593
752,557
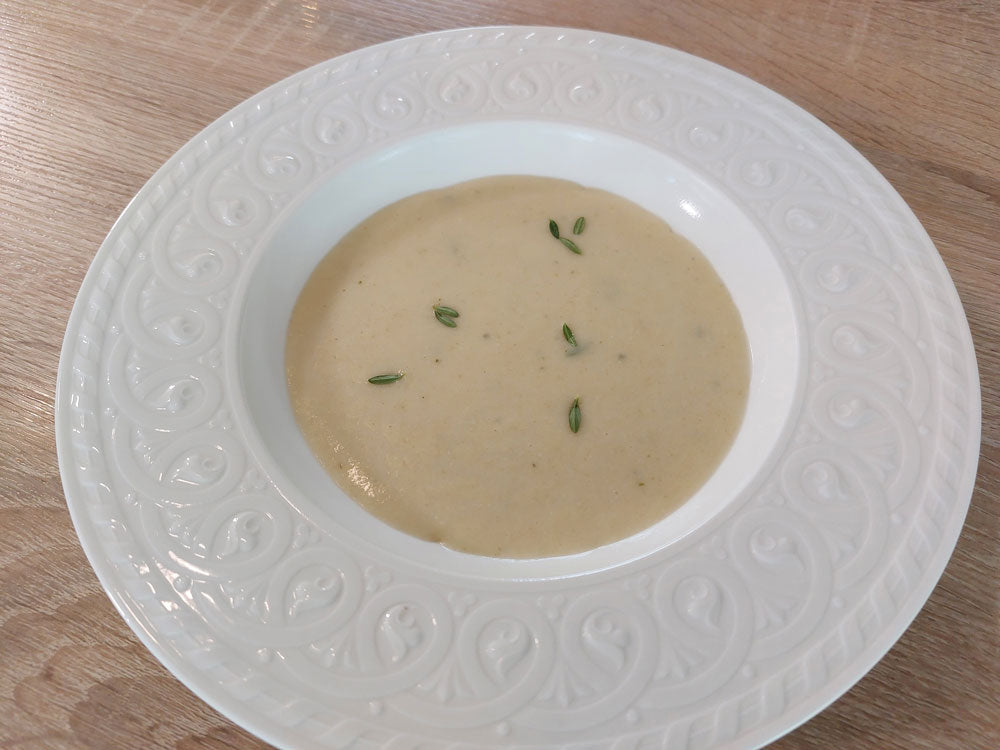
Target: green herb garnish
x,y
446,315
579,226
571,245
568,335
554,228
444,319
574,415
389,377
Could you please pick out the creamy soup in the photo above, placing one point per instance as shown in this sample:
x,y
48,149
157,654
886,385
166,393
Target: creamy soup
x,y
530,395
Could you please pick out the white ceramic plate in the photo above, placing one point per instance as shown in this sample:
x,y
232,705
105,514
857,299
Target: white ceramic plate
x,y
276,599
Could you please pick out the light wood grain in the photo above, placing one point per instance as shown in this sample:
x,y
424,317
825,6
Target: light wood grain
x,y
94,96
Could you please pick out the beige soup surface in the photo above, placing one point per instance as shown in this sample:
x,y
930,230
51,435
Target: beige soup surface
x,y
474,445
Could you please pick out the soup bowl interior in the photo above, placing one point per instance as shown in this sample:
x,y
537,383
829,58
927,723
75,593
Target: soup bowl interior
x,y
694,207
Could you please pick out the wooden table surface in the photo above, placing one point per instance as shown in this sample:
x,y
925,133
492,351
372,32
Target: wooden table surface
x,y
96,94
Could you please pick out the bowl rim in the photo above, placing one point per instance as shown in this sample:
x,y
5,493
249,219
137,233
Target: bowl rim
x,y
141,600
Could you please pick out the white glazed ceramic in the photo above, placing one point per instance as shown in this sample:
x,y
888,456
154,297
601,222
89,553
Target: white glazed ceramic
x,y
280,602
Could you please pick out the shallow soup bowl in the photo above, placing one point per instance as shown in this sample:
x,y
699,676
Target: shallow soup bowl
x,y
262,586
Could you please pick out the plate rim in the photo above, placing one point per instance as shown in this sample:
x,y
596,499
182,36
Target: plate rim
x,y
192,676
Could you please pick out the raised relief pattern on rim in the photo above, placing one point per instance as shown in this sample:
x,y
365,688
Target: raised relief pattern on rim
x,y
331,647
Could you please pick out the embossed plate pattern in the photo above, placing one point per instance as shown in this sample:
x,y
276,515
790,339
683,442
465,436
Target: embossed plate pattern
x,y
727,638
